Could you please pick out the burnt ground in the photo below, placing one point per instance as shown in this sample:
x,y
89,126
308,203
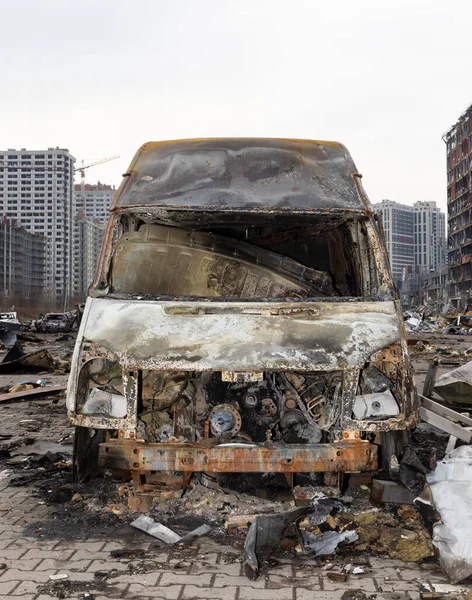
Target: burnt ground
x,y
68,513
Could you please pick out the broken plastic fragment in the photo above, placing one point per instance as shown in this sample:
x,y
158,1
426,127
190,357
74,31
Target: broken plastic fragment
x,y
105,403
379,404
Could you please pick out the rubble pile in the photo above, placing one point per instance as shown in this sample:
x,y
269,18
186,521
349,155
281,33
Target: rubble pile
x,y
433,320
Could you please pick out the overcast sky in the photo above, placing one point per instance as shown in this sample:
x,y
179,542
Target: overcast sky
x,y
101,77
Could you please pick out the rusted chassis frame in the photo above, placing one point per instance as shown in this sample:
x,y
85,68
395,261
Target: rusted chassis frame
x,y
146,461
346,456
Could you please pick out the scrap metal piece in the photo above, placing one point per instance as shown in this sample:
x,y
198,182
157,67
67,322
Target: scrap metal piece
x,y
455,386
28,394
390,491
165,534
326,543
29,363
207,265
266,530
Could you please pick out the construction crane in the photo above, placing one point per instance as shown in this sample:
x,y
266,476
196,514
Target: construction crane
x,y
82,169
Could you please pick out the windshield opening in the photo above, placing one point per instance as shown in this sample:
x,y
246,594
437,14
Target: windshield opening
x,y
325,259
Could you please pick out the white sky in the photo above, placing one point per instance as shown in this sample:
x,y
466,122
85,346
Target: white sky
x,y
101,77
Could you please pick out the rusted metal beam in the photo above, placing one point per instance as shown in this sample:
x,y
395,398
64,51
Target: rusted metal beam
x,y
306,458
27,394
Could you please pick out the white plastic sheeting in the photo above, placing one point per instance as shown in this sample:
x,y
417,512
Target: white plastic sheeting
x,y
449,492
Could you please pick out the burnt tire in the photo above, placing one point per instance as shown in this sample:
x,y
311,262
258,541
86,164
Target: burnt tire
x,y
85,453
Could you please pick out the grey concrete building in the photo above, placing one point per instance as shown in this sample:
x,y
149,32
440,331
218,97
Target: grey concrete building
x,y
94,201
87,245
23,266
92,208
415,236
36,190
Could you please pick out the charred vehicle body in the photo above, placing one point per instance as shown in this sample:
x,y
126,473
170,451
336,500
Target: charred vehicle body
x,y
242,320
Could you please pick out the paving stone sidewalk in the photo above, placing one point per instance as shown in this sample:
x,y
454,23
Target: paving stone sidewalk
x,y
208,570
26,563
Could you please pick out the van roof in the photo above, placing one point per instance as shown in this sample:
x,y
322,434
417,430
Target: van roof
x,y
243,174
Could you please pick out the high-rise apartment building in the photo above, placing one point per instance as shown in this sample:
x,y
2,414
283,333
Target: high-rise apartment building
x,y
23,261
96,201
36,190
92,209
399,226
415,236
88,243
458,140
430,236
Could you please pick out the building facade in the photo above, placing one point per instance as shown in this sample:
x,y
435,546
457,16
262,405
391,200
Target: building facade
x,y
23,266
458,140
92,208
94,202
36,190
87,245
415,237
430,236
399,227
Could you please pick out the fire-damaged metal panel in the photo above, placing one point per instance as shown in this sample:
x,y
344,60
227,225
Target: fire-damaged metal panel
x,y
250,173
174,261
240,458
237,336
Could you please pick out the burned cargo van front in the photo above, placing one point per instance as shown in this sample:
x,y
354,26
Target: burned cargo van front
x,y
243,320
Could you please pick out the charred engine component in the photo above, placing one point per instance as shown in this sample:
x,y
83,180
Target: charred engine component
x,y
225,418
296,429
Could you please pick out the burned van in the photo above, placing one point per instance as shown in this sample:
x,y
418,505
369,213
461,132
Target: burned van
x,y
243,320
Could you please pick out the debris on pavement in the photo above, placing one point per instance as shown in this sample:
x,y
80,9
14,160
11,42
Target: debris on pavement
x,y
165,534
58,576
32,393
266,532
33,362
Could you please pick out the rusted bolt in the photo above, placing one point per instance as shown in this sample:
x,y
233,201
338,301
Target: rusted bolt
x,y
346,434
290,403
189,460
136,465
131,434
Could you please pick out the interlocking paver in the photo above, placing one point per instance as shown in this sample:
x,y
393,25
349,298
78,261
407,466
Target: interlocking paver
x,y
228,593
357,583
172,578
250,593
231,580
232,569
7,586
169,593
304,594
